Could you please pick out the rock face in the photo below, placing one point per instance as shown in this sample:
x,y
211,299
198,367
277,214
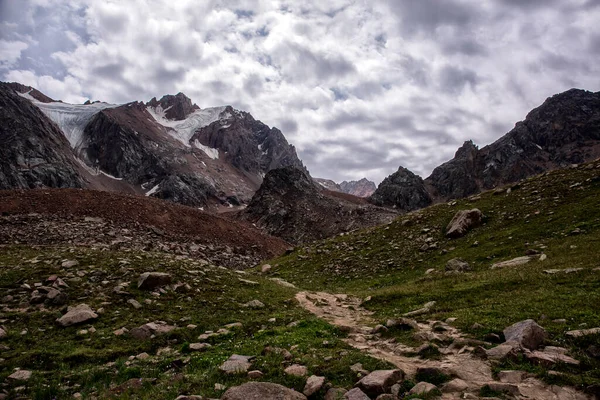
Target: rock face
x,y
527,333
564,130
260,391
463,221
291,206
176,107
167,148
77,315
33,151
403,190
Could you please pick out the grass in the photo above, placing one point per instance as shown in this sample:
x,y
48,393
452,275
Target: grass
x,y
65,362
555,214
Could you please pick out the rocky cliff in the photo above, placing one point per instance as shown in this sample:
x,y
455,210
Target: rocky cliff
x,y
291,206
167,148
33,151
360,188
564,130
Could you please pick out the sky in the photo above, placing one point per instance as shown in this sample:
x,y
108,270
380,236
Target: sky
x,y
359,87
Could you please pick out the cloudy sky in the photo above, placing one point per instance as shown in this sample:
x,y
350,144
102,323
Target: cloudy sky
x,y
359,87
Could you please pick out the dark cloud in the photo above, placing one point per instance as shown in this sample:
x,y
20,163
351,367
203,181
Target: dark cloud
x,y
454,79
424,16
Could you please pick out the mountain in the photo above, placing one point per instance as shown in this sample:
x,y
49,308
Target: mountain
x,y
167,148
564,130
361,188
290,205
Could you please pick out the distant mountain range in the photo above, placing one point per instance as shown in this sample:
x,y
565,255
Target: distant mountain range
x,y
168,148
361,188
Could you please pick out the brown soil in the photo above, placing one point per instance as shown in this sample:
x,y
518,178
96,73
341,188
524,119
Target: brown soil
x,y
345,196
130,210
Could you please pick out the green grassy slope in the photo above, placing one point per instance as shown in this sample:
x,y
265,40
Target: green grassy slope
x,y
557,214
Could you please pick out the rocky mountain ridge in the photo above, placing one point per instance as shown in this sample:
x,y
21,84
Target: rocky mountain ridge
x,y
564,130
167,148
361,188
290,205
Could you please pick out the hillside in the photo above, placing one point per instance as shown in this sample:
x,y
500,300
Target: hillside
x,y
403,265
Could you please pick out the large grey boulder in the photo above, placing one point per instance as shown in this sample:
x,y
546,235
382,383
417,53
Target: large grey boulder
x,y
423,388
463,221
313,385
77,315
527,333
152,280
261,391
236,364
356,394
379,382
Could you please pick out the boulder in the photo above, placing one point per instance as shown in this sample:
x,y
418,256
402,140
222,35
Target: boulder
x,y
355,394
236,364
199,346
511,376
313,385
503,351
422,388
526,333
3,333
77,315
152,280
261,391
296,370
402,323
457,265
379,382
463,221
455,386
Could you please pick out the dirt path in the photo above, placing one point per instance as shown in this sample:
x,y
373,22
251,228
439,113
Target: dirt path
x,y
457,359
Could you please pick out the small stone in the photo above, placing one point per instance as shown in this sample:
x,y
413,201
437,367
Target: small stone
x,y
199,346
296,370
583,332
3,333
265,268
143,356
256,374
462,222
192,326
514,262
260,391
120,331
457,265
153,280
335,394
76,315
20,375
379,382
219,387
313,385
422,388
356,394
69,263
134,303
256,304
511,376
236,364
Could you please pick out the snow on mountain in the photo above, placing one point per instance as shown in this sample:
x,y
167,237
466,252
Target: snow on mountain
x,y
209,151
184,130
70,118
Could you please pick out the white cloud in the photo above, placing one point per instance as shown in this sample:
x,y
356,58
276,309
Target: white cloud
x,y
362,87
10,52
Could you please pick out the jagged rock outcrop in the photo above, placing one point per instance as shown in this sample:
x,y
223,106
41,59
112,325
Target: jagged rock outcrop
x,y
291,206
33,92
247,143
33,151
176,107
328,184
403,190
564,130
361,188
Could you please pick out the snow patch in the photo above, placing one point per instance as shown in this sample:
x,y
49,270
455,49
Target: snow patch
x,y
209,151
70,118
95,171
185,129
153,190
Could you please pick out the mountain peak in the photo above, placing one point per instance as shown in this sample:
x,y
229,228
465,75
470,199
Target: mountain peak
x,y
176,107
